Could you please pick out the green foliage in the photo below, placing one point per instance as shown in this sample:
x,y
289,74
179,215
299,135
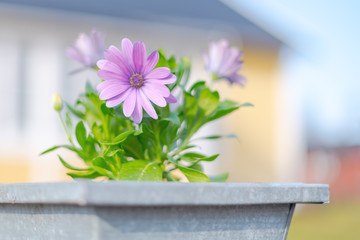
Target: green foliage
x,y
219,178
112,146
139,170
193,175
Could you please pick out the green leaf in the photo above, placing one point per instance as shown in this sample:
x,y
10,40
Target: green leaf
x,y
168,133
191,107
210,158
97,131
139,170
246,105
173,117
197,167
193,175
80,133
208,100
71,148
102,167
133,147
191,146
219,136
89,88
88,174
162,62
219,178
195,157
210,137
77,113
104,109
115,158
120,138
71,167
179,74
186,62
172,63
192,156
224,108
232,135
68,123
139,131
118,112
92,105
199,84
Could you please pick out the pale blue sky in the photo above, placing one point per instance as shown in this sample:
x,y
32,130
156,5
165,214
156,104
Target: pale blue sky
x,y
326,34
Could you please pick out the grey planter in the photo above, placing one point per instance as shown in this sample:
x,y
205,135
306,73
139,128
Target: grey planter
x,y
152,210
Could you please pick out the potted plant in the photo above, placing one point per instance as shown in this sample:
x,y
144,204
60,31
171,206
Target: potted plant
x,y
135,130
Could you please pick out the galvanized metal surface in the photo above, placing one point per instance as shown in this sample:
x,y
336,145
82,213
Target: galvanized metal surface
x,y
151,211
155,223
162,193
289,218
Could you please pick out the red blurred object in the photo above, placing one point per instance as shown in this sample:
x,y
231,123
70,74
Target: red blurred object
x,y
339,167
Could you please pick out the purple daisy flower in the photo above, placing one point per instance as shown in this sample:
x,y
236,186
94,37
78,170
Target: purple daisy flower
x,y
224,62
87,50
130,77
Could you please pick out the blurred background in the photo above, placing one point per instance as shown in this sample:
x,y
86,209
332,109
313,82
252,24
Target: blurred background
x,y
302,65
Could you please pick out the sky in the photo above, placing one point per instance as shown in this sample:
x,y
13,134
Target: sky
x,y
326,36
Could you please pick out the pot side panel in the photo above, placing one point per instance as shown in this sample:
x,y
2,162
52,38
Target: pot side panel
x,y
135,223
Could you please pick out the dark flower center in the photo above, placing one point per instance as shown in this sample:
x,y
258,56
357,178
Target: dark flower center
x,y
136,80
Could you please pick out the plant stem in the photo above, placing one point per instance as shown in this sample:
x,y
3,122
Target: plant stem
x,y
63,125
158,145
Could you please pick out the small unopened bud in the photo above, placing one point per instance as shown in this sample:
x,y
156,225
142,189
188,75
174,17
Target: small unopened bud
x,y
214,77
57,102
186,61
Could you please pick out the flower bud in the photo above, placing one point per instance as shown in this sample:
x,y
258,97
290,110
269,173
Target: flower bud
x,y
186,61
57,102
215,77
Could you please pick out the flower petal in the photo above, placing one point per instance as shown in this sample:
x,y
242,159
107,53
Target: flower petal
x,y
112,67
74,53
139,57
114,55
101,63
98,42
138,111
147,105
170,79
171,99
106,75
233,69
238,79
157,73
154,97
112,102
216,53
151,62
127,49
112,91
157,87
105,84
129,103
83,44
87,50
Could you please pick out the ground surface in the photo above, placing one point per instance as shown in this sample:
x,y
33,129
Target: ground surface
x,y
339,220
